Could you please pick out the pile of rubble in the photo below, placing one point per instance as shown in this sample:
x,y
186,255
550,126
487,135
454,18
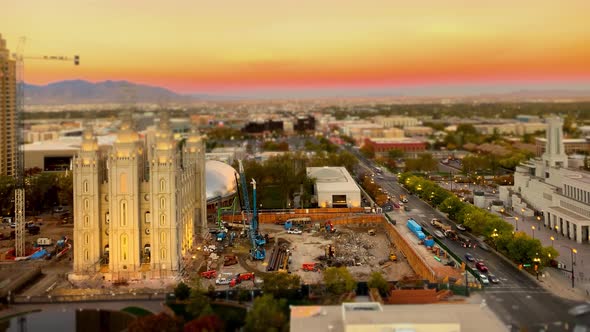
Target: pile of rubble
x,y
350,249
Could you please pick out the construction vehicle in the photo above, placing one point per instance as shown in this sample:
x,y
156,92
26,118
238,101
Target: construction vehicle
x,y
222,233
440,225
19,190
311,267
392,256
329,226
241,277
451,234
230,260
257,252
371,232
209,274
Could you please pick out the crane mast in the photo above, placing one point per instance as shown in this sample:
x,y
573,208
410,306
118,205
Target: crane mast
x,y
19,192
244,188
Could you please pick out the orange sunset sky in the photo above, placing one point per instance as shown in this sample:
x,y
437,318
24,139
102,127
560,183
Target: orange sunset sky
x,y
220,46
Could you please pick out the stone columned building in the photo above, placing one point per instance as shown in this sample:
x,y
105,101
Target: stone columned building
x,y
139,204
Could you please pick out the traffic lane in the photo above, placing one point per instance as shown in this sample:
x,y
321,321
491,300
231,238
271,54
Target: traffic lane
x,y
529,310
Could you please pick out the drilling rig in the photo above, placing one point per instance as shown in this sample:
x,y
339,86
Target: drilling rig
x,y
19,191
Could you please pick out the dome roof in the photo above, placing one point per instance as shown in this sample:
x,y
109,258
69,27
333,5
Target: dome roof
x,y
220,179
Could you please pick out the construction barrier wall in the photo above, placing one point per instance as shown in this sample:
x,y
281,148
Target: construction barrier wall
x,y
414,259
316,215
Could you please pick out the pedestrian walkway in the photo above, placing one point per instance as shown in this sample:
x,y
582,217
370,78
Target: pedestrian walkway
x,y
580,260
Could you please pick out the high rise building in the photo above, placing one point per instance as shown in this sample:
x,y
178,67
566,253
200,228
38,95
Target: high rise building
x,y
138,205
8,148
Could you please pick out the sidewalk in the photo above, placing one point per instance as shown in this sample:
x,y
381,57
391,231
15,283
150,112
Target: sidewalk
x,y
559,283
562,244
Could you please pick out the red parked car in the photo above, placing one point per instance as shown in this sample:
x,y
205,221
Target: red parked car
x,y
481,266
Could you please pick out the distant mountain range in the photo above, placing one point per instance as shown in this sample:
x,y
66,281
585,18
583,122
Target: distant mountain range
x,y
122,92
83,92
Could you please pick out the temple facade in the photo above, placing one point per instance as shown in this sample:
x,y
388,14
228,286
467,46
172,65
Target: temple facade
x,y
138,204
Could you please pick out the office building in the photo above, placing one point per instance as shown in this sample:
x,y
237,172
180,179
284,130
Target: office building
x,y
552,188
8,120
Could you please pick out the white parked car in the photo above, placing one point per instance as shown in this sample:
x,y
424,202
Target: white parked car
x,y
294,231
224,278
484,279
439,234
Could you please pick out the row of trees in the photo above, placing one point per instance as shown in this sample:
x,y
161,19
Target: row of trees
x,y
43,190
518,246
577,110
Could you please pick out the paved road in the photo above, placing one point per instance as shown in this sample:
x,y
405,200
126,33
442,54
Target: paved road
x,y
518,300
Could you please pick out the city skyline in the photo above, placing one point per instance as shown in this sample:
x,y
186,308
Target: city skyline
x,y
264,47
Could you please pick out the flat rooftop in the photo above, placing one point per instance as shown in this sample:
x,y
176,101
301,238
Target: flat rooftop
x,y
336,179
375,317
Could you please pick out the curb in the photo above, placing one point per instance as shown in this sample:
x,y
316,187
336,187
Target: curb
x,y
515,266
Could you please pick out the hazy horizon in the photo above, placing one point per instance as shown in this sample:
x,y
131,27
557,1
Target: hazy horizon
x,y
224,47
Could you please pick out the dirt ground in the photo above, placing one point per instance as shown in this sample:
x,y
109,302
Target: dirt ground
x,y
352,244
54,271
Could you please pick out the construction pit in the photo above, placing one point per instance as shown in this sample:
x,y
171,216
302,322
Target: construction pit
x,y
352,247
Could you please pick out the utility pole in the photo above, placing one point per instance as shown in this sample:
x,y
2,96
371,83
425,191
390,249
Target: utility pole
x,y
19,192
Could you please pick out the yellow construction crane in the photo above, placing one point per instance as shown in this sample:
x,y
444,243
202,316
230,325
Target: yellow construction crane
x,y
19,192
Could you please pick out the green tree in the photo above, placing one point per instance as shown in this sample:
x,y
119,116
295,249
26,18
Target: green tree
x,y
377,281
267,314
66,191
368,151
198,304
452,206
395,154
182,291
338,280
281,285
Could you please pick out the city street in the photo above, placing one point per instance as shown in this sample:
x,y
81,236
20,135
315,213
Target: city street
x,y
518,299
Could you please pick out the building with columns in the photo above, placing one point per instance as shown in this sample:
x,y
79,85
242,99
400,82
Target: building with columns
x,y
553,189
138,204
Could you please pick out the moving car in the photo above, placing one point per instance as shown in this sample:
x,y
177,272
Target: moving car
x,y
439,234
294,231
579,310
493,279
481,266
484,279
469,257
460,227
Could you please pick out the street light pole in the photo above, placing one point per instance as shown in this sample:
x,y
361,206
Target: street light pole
x,y
516,218
533,228
552,239
573,251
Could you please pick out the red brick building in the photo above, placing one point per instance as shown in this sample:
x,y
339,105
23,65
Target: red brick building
x,y
382,146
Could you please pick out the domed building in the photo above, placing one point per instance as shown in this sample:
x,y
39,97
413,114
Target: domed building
x,y
221,184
